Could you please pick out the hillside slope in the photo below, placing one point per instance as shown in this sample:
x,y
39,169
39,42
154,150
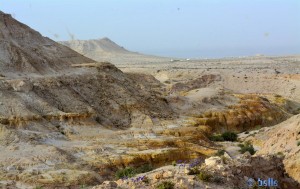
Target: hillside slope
x,y
106,50
24,50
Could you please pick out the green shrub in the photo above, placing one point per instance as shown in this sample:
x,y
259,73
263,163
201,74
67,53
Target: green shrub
x,y
226,136
229,136
131,171
204,176
217,138
126,172
247,147
144,168
165,185
298,143
220,153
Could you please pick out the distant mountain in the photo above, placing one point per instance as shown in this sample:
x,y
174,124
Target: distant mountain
x,y
23,49
106,50
94,46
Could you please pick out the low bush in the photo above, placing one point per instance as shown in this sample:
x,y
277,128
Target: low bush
x,y
125,173
217,138
131,171
230,136
220,152
144,168
226,136
298,143
247,147
204,176
165,185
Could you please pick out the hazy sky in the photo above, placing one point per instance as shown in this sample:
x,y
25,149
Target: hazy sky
x,y
182,28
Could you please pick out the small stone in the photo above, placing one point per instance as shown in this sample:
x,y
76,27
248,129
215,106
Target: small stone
x,y
186,170
11,168
119,182
213,161
168,174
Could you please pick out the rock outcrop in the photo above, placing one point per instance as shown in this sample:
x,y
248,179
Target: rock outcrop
x,y
282,139
215,172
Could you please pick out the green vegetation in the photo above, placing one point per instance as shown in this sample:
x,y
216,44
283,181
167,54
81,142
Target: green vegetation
x,y
217,138
144,168
220,153
126,172
226,136
247,147
165,185
229,136
204,176
131,171
298,143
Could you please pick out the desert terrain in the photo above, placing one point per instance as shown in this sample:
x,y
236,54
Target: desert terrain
x,y
91,114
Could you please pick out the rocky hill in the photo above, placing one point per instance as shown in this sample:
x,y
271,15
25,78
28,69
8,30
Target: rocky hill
x,y
106,50
23,50
92,47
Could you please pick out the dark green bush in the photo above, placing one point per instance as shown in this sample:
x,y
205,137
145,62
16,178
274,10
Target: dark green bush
x,y
226,136
220,152
165,185
144,168
298,143
229,136
247,147
217,138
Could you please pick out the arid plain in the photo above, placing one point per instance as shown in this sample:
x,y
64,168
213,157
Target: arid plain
x,y
73,114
